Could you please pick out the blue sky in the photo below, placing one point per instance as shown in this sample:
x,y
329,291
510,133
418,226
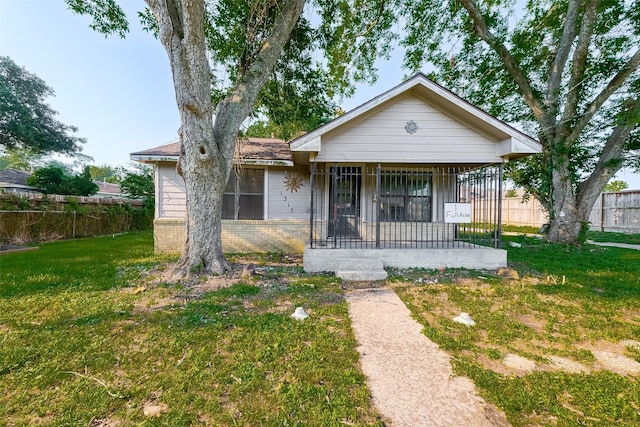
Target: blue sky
x,y
118,92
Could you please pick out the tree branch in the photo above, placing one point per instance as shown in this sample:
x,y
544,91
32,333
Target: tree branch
x,y
373,23
580,56
610,160
615,83
239,103
562,53
512,66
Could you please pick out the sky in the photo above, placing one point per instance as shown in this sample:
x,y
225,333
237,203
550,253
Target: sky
x,y
119,92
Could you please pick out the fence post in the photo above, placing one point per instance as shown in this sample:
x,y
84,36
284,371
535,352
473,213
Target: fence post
x,y
601,211
73,233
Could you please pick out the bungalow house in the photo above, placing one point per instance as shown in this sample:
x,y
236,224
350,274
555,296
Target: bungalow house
x,y
412,177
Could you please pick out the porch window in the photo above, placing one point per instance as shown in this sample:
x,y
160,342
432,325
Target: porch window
x,y
244,195
405,196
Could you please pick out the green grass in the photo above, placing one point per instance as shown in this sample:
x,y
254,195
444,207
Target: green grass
x,y
525,229
79,346
536,317
599,236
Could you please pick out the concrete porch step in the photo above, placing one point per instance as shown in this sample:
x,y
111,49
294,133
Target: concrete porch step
x,y
360,269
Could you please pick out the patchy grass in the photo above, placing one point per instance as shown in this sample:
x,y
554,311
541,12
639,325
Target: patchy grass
x,y
599,236
90,336
525,229
574,313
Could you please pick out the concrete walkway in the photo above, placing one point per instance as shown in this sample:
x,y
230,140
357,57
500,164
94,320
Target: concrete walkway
x,y
616,245
410,378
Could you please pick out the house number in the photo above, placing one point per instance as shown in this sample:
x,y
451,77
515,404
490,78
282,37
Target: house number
x,y
284,199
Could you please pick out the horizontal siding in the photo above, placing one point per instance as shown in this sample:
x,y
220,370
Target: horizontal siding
x,y
172,200
284,203
382,137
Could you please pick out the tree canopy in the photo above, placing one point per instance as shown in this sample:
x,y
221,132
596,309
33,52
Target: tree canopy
x,y
616,185
56,179
138,183
20,159
106,173
563,70
26,120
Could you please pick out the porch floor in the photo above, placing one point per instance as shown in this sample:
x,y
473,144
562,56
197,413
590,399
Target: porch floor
x,y
463,256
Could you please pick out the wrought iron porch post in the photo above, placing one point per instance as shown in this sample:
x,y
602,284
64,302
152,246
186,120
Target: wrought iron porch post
x,y
312,183
334,208
498,243
378,181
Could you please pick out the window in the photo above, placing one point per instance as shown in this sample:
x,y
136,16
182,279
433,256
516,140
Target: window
x,y
244,195
405,196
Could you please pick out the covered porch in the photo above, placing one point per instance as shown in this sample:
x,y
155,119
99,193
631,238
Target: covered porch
x,y
405,216
411,178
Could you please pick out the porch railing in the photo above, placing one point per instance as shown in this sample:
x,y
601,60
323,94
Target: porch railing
x,y
408,207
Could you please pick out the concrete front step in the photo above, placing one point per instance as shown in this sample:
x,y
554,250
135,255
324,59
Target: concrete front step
x,y
360,269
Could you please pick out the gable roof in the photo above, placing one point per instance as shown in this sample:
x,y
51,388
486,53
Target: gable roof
x,y
253,151
510,142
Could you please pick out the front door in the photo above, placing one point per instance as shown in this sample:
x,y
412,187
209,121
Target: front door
x,y
344,201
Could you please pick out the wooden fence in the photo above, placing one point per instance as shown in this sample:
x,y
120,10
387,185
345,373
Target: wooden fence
x,y
613,212
617,212
34,218
530,213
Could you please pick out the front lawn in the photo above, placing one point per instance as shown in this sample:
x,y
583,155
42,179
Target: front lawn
x,y
90,335
559,346
87,338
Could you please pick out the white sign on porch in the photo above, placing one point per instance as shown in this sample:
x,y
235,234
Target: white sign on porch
x,y
457,212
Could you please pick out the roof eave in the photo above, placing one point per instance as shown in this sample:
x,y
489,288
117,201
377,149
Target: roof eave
x,y
257,162
147,158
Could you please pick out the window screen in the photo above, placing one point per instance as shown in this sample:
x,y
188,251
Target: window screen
x,y
244,195
405,196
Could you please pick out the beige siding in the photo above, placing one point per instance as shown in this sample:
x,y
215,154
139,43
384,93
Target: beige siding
x,y
284,203
171,199
281,203
381,137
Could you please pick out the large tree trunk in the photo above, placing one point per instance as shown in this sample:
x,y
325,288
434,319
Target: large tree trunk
x,y
207,150
571,207
565,220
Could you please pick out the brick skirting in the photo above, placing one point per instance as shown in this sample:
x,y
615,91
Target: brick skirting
x,y
288,236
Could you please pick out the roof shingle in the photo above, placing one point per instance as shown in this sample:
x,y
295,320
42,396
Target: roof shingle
x,y
271,149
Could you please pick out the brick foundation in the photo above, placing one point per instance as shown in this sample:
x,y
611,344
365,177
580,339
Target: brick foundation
x,y
288,236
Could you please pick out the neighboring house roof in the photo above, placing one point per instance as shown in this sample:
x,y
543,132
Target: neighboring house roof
x,y
510,142
14,176
15,180
107,189
253,151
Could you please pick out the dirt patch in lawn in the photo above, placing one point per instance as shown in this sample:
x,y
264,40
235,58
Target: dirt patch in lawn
x,y
552,322
178,293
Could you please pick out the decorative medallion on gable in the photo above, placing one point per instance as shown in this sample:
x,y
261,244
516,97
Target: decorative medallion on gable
x,y
411,127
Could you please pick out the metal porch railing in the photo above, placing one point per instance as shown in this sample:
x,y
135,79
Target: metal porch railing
x,y
408,207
